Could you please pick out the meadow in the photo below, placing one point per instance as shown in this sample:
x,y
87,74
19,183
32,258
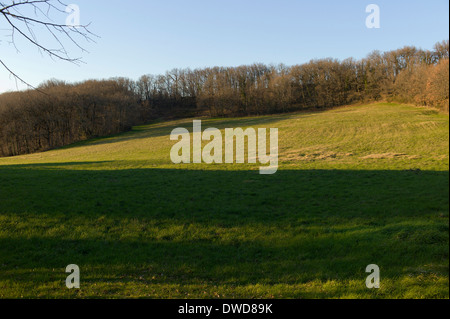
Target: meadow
x,y
356,185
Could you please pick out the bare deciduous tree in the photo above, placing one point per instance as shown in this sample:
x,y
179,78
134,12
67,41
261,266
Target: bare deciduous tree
x,y
31,20
31,122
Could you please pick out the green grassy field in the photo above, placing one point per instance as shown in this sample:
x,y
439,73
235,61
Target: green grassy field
x,y
356,186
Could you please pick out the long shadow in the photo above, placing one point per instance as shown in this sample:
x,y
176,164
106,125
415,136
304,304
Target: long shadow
x,y
165,129
219,195
222,226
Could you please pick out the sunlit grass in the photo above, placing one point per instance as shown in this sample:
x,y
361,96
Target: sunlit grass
x,y
356,186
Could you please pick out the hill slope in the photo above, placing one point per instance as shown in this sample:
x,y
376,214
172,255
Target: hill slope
x,y
356,186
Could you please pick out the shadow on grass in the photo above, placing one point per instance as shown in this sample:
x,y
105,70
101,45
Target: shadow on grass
x,y
222,227
165,129
219,195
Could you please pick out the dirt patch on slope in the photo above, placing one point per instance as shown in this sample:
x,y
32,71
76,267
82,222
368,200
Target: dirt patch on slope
x,y
390,156
313,156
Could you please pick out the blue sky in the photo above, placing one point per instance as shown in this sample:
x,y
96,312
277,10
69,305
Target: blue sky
x,y
152,36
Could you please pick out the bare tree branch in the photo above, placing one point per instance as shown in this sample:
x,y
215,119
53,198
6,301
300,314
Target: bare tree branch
x,y
24,18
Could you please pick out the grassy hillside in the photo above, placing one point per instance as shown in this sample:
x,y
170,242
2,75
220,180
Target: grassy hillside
x,y
356,186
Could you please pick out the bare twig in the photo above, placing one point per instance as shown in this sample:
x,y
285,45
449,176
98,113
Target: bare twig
x,y
22,24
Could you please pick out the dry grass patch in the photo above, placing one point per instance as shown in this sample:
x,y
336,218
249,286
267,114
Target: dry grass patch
x,y
390,156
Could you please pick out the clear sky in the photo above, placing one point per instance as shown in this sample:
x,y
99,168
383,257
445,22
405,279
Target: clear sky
x,y
152,36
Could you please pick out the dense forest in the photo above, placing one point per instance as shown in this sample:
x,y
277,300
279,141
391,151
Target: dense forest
x,y
58,113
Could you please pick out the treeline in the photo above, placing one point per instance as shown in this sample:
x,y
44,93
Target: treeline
x,y
59,113
408,74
